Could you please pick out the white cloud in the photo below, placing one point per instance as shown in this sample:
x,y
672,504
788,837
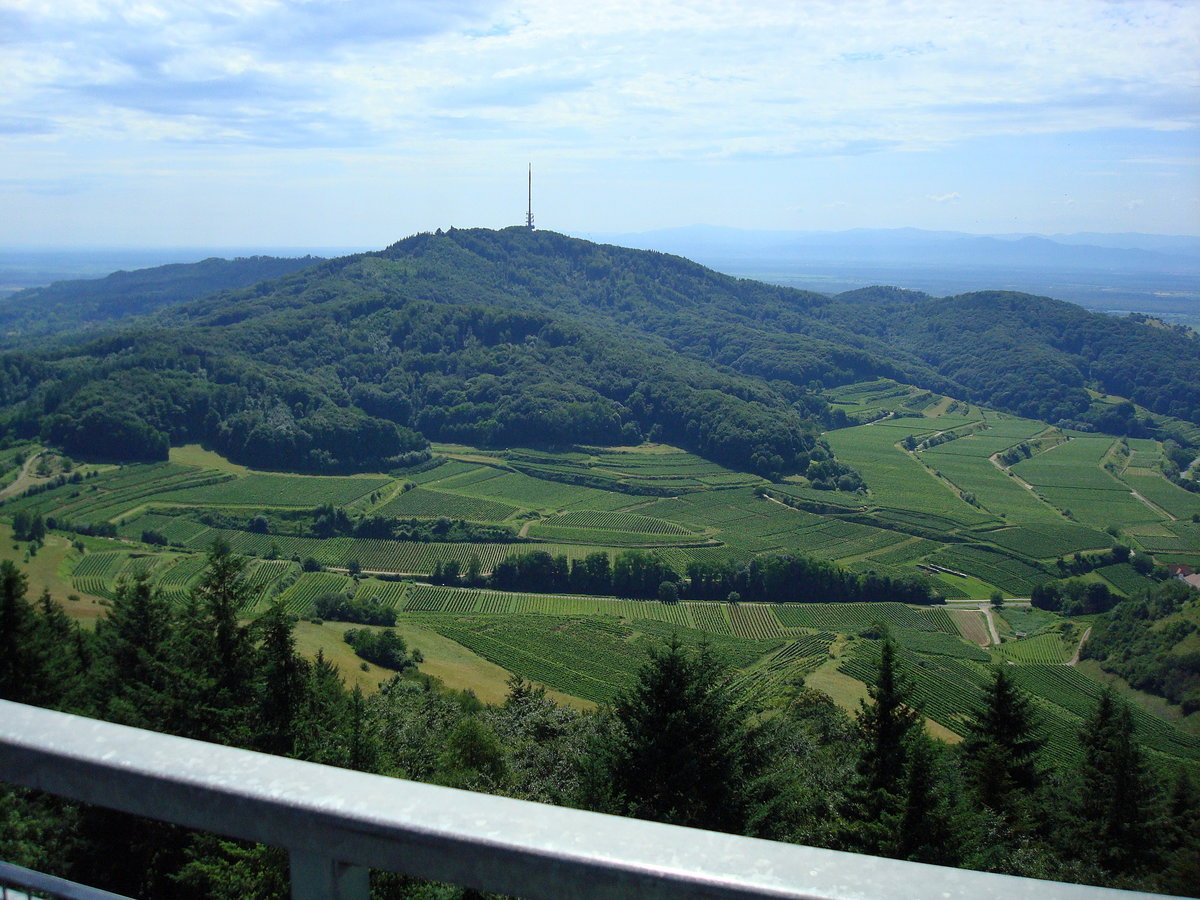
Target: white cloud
x,y
741,100
615,77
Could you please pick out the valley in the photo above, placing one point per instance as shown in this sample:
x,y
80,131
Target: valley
x,y
966,501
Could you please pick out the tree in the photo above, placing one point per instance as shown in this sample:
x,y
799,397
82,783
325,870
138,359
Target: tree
x,y
280,683
1001,747
876,801
1116,793
213,653
25,676
137,676
680,751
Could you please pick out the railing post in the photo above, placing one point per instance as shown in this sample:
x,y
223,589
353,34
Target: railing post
x,y
320,878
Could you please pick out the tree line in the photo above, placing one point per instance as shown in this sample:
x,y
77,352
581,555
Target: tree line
x,y
773,578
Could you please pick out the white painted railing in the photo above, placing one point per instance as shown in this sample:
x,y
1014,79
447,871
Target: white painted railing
x,y
337,824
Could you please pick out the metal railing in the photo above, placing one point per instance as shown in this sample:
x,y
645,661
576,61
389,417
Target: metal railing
x,y
337,823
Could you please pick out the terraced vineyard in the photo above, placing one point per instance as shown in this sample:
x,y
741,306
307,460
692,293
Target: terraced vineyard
x,y
1048,539
1047,649
424,503
177,581
387,593
688,509
938,643
616,521
280,490
1124,578
856,616
589,657
265,577
298,598
1076,694
1154,487
1012,575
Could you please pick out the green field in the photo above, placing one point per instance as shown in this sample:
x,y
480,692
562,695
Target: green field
x,y
944,504
894,477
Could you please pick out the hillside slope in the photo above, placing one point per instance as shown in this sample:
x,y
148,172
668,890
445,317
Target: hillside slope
x,y
529,337
67,305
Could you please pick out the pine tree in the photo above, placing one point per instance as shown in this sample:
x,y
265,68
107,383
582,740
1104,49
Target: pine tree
x,y
876,801
280,683
215,650
25,674
1117,795
681,752
1001,748
136,680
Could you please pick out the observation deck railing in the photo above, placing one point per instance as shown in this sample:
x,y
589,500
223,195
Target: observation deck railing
x,y
337,824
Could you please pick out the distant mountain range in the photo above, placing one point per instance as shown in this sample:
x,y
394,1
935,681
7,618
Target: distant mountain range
x,y
1149,273
914,246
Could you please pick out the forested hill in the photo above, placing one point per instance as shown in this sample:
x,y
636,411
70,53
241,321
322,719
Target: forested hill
x,y
530,337
1034,355
67,305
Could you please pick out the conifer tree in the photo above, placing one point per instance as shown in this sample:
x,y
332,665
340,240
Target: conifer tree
x,y
280,683
25,672
137,677
885,727
1117,796
216,648
681,752
1001,748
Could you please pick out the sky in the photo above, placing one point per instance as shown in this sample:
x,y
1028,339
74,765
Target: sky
x,y
353,123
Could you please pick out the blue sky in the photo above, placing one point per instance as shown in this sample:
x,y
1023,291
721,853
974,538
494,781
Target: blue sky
x,y
352,123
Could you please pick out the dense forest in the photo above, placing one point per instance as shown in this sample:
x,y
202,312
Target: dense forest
x,y
67,305
520,337
677,746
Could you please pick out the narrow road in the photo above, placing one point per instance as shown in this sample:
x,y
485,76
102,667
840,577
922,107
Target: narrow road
x,y
1153,506
1083,640
986,609
23,480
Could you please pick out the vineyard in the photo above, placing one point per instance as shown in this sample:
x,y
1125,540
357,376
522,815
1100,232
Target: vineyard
x,y
1151,485
391,594
857,616
938,643
1013,576
948,690
1048,540
265,577
589,646
279,490
1045,649
177,581
422,503
298,599
616,521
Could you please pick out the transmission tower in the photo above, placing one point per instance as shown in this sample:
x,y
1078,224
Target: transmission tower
x,y
529,209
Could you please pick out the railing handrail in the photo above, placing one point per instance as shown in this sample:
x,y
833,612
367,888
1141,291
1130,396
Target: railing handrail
x,y
491,843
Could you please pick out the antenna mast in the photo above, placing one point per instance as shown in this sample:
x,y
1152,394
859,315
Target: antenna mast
x,y
529,211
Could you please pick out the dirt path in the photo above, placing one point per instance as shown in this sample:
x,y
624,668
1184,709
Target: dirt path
x,y
986,609
1021,481
1154,506
1083,640
25,479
